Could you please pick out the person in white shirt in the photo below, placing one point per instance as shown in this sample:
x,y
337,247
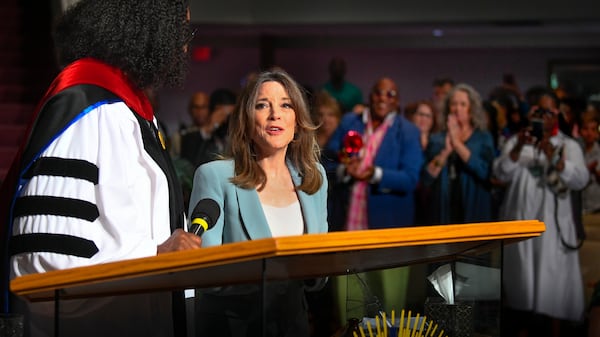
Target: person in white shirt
x,y
541,276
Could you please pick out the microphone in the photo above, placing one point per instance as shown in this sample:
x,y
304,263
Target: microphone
x,y
204,216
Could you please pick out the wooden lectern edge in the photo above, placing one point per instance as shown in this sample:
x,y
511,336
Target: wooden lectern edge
x,y
131,268
421,235
272,247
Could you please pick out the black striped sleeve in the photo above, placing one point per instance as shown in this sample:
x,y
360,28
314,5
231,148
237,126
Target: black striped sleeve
x,y
50,205
63,167
52,243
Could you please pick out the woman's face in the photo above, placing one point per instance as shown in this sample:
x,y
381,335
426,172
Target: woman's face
x,y
461,107
423,118
329,119
547,102
589,132
548,118
274,119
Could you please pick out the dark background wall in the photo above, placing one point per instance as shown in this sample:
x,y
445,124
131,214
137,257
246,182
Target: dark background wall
x,y
412,69
413,42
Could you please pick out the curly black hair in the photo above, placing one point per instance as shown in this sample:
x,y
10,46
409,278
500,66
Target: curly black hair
x,y
144,38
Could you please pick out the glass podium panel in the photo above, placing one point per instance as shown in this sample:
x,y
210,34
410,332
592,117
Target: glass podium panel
x,y
470,281
365,294
404,257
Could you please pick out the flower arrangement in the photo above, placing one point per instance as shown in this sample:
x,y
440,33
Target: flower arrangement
x,y
351,145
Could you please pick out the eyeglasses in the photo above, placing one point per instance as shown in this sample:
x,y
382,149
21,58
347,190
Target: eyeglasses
x,y
191,37
540,113
386,93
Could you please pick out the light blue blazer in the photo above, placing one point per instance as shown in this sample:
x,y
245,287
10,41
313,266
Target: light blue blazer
x,y
242,217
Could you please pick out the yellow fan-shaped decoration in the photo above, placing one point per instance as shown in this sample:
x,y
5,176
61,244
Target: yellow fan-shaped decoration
x,y
408,326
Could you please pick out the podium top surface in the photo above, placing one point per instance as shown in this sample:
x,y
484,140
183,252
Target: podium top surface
x,y
304,256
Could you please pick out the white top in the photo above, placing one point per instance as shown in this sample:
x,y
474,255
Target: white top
x,y
284,221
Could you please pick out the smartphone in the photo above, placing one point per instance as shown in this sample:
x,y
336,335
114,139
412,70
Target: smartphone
x,y
537,129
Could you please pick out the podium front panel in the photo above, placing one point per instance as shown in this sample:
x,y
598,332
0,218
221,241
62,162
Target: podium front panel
x,y
295,259
367,290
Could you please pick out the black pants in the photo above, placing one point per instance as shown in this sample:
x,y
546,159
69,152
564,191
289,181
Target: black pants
x,y
240,315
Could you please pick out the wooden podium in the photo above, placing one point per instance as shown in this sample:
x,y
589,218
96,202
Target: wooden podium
x,y
291,257
297,257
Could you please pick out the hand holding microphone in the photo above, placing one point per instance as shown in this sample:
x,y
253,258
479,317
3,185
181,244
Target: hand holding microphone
x,y
203,218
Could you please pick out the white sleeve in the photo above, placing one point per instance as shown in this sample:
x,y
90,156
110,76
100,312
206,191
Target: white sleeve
x,y
131,194
504,167
575,175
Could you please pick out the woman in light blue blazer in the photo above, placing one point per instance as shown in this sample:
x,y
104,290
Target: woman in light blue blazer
x,y
269,184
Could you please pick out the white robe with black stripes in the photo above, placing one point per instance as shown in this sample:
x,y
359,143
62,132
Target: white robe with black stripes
x,y
132,194
132,199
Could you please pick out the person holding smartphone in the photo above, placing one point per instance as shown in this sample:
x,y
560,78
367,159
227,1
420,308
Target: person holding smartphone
x,y
541,276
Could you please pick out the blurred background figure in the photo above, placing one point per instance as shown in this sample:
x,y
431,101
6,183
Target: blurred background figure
x,y
207,141
441,86
384,172
459,161
423,115
570,109
509,83
590,134
547,100
327,113
588,254
506,117
542,280
346,93
381,176
198,111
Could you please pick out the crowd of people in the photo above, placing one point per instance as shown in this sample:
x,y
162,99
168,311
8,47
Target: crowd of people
x,y
98,181
457,157
512,156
